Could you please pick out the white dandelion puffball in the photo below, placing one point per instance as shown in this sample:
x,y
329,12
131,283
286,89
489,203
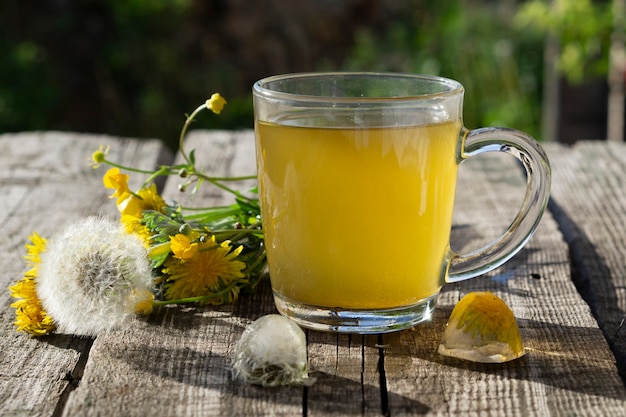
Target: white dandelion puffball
x,y
272,352
92,276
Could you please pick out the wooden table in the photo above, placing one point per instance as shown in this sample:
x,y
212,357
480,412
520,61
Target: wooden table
x,y
567,288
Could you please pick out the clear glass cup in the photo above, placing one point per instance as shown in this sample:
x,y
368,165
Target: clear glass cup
x,y
357,177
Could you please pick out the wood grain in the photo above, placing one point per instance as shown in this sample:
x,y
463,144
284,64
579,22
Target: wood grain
x,y
568,366
589,202
46,182
176,362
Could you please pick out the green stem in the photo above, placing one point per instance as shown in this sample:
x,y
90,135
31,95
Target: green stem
x,y
164,170
256,262
219,185
236,232
242,178
188,300
115,165
183,132
212,180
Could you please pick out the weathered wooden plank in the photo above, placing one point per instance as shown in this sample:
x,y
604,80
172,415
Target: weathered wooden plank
x,y
177,361
45,183
345,366
589,202
568,369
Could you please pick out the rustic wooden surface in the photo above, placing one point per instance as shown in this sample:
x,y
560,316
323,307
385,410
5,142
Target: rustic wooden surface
x,y
177,361
589,200
46,182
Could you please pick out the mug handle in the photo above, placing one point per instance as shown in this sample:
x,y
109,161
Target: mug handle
x,y
538,179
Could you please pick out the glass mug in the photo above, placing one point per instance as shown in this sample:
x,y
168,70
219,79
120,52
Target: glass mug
x,y
357,177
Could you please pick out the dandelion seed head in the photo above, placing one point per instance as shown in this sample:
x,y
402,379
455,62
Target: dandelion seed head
x,y
93,276
272,352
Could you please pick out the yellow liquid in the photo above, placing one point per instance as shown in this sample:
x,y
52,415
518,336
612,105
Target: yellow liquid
x,y
357,218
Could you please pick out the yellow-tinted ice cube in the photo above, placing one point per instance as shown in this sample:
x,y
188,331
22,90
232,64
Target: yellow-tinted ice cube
x,y
482,328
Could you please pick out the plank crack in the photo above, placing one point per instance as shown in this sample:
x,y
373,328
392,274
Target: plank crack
x,y
73,378
384,394
583,256
363,375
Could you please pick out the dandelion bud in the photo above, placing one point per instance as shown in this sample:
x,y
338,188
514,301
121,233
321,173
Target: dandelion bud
x,y
93,276
99,156
216,103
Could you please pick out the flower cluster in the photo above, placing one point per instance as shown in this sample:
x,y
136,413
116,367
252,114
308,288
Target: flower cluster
x,y
94,275
206,256
31,316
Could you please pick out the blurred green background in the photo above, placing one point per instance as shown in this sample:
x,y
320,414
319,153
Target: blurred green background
x,y
136,67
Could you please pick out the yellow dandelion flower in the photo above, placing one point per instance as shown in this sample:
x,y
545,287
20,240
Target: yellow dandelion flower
x,y
99,156
142,302
151,198
30,315
216,103
159,250
146,198
182,247
213,264
34,250
114,179
133,206
132,225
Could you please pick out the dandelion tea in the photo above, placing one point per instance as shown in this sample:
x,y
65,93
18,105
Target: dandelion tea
x,y
357,218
